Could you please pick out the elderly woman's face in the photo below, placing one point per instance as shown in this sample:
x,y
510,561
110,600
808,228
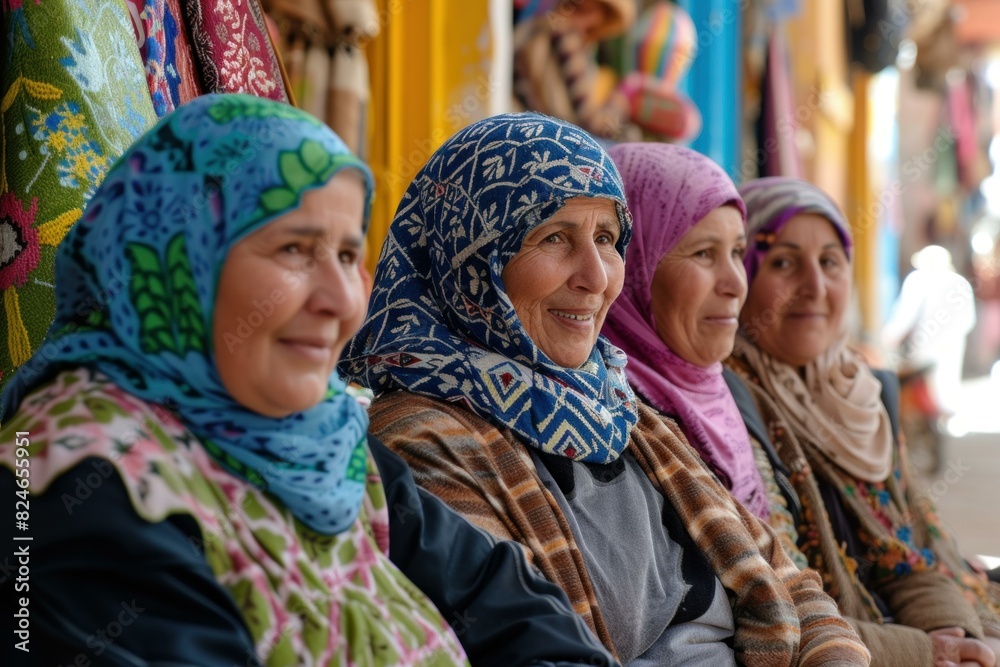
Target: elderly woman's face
x,y
289,298
797,301
699,287
565,277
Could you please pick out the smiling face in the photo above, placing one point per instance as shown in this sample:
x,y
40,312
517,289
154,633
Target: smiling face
x,y
289,298
797,302
699,287
565,277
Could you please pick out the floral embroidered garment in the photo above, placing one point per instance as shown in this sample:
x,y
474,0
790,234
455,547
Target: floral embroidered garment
x,y
307,598
897,525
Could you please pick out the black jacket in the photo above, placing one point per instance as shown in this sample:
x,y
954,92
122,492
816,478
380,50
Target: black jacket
x,y
755,427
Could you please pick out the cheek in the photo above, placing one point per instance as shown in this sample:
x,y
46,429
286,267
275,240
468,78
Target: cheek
x,y
768,295
527,282
758,318
247,312
232,335
742,287
840,294
668,316
754,302
616,277
355,315
840,297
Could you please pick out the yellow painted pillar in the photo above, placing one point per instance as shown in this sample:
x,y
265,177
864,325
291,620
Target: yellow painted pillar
x,y
430,71
824,108
861,209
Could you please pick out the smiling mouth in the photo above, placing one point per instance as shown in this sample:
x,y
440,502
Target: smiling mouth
x,y
573,317
305,342
312,349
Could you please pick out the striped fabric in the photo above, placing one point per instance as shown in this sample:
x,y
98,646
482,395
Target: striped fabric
x,y
782,615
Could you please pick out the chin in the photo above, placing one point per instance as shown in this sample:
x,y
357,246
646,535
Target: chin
x,y
799,359
289,402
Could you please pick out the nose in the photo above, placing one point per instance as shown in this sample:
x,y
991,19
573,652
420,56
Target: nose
x,y
336,288
731,280
590,274
812,283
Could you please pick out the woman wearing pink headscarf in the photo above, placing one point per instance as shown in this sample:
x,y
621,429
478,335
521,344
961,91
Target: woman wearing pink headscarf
x,y
677,316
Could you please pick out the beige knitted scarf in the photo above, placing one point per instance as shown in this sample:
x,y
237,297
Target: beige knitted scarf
x,y
837,400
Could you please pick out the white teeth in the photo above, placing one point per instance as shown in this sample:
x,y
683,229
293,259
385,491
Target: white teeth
x,y
568,316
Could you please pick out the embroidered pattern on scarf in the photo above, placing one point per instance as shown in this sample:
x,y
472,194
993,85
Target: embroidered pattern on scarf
x,y
440,323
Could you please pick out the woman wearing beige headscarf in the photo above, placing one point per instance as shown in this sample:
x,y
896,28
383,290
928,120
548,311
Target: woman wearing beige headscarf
x,y
818,395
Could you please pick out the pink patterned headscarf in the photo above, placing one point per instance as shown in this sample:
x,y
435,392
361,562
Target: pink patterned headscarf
x,y
669,190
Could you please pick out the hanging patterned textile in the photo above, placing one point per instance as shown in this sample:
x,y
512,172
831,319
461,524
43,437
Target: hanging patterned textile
x,y
76,97
82,79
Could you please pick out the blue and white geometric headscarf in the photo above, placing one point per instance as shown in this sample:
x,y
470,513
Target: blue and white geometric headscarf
x,y
136,283
439,322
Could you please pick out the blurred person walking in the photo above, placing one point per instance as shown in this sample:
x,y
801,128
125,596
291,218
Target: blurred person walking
x,y
930,321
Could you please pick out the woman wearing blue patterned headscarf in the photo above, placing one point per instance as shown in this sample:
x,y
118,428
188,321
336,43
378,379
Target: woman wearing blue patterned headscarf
x,y
198,471
482,346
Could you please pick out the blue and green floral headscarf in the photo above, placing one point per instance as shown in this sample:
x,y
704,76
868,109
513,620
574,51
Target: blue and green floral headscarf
x,y
136,285
439,321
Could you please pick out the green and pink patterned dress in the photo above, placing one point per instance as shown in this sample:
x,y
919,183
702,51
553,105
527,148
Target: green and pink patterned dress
x,y
307,598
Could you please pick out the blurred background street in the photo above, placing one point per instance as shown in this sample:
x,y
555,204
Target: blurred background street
x,y
967,488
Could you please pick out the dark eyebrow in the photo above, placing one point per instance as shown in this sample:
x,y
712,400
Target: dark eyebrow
x,y
715,238
317,233
795,246
605,224
312,232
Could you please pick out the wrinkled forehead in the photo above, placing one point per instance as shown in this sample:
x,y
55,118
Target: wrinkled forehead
x,y
616,209
501,177
772,202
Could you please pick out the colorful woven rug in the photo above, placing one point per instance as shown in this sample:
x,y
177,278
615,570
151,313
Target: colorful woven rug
x,y
82,80
75,99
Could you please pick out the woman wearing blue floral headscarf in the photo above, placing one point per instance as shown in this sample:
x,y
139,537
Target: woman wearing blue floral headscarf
x,y
202,490
482,345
